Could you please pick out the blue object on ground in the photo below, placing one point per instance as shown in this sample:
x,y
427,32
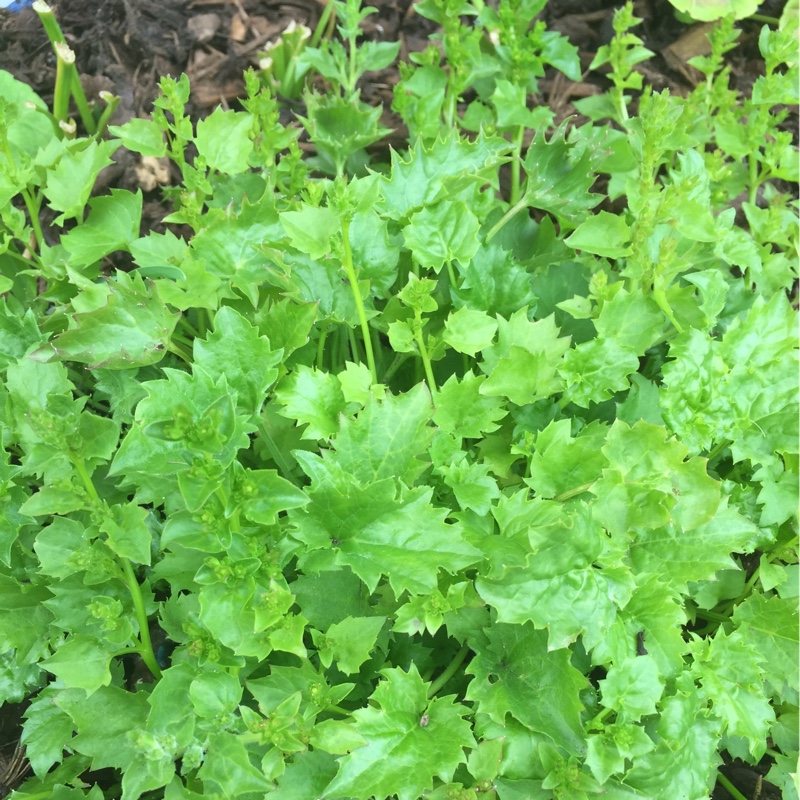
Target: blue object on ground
x,y
15,5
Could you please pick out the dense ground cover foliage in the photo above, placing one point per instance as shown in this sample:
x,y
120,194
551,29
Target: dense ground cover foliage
x,y
378,484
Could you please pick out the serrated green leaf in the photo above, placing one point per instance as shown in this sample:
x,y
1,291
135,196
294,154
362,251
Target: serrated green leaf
x,y
312,398
462,410
442,233
469,330
386,437
246,359
133,329
82,662
142,136
112,223
223,139
410,740
516,674
349,642
603,234
376,530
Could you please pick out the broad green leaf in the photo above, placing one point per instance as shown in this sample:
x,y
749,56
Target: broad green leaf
x,y
47,727
493,281
329,597
104,719
409,741
310,229
422,178
112,223
214,694
632,319
649,482
386,437
729,671
227,768
694,555
525,357
133,329
69,184
469,331
632,688
685,759
142,136
594,370
710,10
312,398
82,662
472,486
266,494
246,359
516,674
563,465
462,410
349,642
771,624
128,533
557,183
603,234
376,530
287,325
223,140
442,233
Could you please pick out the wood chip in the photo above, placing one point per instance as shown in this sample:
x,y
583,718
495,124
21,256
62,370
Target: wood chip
x,y
693,43
238,28
204,27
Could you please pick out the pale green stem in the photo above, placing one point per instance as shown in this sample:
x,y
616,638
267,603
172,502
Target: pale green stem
x,y
33,213
111,101
322,24
512,212
146,651
730,788
423,351
516,164
323,335
449,671
175,348
65,63
573,492
362,314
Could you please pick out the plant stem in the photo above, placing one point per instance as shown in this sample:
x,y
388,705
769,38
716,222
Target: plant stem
x,y
573,492
398,362
322,24
423,351
146,651
175,348
33,213
752,192
598,719
516,164
80,466
362,314
730,788
513,211
56,37
449,671
65,62
323,335
111,101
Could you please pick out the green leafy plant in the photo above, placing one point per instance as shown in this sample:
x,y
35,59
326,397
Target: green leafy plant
x,y
386,483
